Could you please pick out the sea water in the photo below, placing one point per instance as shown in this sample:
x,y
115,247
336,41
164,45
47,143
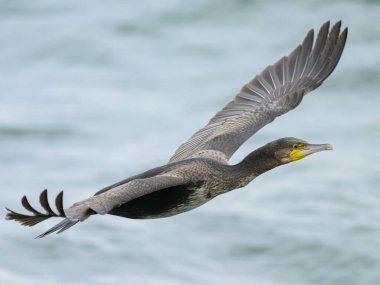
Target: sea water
x,y
92,92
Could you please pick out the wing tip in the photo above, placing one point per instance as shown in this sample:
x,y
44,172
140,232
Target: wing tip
x,y
345,32
306,62
325,25
36,217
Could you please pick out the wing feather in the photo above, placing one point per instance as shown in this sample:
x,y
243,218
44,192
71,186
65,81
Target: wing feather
x,y
104,202
275,91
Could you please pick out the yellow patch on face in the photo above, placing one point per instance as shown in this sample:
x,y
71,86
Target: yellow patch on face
x,y
297,153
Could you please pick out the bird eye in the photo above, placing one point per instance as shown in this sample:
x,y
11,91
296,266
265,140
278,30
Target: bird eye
x,y
298,146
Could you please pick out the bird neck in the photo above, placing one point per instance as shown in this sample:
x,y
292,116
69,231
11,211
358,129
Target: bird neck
x,y
256,163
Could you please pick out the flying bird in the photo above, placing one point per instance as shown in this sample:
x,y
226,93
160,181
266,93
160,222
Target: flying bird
x,y
199,169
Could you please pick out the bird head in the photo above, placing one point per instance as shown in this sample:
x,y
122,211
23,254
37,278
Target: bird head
x,y
291,149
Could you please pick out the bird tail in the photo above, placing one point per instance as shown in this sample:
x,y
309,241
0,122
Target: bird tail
x,y
37,217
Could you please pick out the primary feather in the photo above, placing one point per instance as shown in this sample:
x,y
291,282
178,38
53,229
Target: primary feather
x,y
276,90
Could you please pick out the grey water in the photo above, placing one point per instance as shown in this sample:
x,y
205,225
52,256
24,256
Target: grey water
x,y
92,92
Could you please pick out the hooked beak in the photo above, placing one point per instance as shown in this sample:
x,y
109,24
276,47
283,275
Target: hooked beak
x,y
313,148
309,149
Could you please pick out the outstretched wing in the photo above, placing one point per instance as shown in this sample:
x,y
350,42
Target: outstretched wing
x,y
101,203
36,216
277,90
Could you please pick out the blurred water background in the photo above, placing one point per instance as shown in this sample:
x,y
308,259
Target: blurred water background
x,y
92,92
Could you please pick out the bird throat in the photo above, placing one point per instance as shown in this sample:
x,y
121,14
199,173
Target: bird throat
x,y
255,164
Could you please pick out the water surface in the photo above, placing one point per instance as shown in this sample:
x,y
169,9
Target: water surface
x,y
93,92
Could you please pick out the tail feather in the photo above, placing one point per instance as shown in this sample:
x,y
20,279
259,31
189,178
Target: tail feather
x,y
37,217
60,227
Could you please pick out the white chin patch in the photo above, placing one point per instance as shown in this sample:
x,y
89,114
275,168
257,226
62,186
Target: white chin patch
x,y
286,160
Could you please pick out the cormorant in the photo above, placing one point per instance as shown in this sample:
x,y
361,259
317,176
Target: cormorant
x,y
199,170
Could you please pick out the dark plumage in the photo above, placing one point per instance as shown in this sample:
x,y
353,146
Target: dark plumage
x,y
199,169
38,217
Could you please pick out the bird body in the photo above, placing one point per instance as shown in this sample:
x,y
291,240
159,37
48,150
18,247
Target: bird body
x,y
201,179
194,192
200,182
199,170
